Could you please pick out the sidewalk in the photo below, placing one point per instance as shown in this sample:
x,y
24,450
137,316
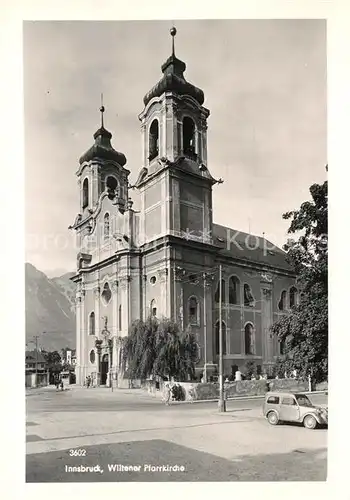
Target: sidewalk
x,y
39,390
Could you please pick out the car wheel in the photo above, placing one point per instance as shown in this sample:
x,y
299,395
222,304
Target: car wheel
x,y
310,422
272,418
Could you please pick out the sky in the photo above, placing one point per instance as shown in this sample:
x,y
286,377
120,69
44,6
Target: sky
x,y
265,86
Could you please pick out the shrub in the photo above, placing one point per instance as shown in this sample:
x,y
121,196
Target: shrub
x,y
249,368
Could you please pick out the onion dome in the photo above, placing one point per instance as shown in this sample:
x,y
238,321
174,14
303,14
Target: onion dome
x,y
174,80
103,148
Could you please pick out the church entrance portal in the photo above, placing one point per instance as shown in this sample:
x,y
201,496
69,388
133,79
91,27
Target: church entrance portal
x,y
104,369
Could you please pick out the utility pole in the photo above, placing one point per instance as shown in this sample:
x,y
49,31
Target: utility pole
x,y
36,359
222,403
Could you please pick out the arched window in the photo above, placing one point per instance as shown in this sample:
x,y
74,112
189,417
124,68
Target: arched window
x,y
153,308
106,294
233,290
188,137
193,311
120,317
249,338
106,226
293,292
111,185
248,296
217,337
223,294
92,324
92,356
85,193
282,305
153,140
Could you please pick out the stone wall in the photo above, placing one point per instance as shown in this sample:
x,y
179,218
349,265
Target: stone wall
x,y
208,391
288,384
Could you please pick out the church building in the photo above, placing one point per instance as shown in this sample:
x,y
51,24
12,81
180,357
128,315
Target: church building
x,y
164,258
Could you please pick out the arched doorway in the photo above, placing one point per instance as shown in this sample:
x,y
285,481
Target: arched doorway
x,y
104,369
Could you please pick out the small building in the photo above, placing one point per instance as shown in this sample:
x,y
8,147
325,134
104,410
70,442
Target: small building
x,y
68,356
36,369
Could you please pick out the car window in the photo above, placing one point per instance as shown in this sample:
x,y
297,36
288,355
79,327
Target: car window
x,y
303,400
288,401
274,400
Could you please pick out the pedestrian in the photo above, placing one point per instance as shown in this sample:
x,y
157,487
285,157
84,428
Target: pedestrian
x,y
167,394
88,381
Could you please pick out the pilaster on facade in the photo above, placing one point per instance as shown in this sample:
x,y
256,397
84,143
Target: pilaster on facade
x,y
125,301
178,276
266,323
97,299
115,302
163,278
83,338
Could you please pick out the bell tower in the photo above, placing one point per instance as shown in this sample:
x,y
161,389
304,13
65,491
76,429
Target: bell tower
x,y
101,169
101,174
173,122
175,183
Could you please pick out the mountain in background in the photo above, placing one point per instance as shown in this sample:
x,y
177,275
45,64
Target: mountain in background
x,y
49,308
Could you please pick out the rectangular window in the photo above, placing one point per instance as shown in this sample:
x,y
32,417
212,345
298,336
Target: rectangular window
x,y
273,400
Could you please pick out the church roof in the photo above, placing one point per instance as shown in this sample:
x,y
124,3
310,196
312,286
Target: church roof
x,y
103,148
35,356
249,247
173,80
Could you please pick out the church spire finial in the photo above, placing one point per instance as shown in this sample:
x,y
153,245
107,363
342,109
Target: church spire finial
x,y
173,33
102,109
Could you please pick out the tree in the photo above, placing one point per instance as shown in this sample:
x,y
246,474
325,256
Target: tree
x,y
53,360
249,368
304,332
159,348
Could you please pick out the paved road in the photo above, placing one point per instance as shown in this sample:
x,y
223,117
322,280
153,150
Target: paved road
x,y
97,400
131,428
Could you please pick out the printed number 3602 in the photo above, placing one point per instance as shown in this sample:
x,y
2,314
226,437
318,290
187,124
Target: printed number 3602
x,y
77,453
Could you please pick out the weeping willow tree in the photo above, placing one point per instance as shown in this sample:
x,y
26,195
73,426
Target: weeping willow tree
x,y
159,348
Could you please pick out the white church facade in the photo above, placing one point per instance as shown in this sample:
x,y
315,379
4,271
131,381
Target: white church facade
x,y
163,258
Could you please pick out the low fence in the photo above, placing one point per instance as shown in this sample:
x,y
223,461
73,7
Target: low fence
x,y
194,391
